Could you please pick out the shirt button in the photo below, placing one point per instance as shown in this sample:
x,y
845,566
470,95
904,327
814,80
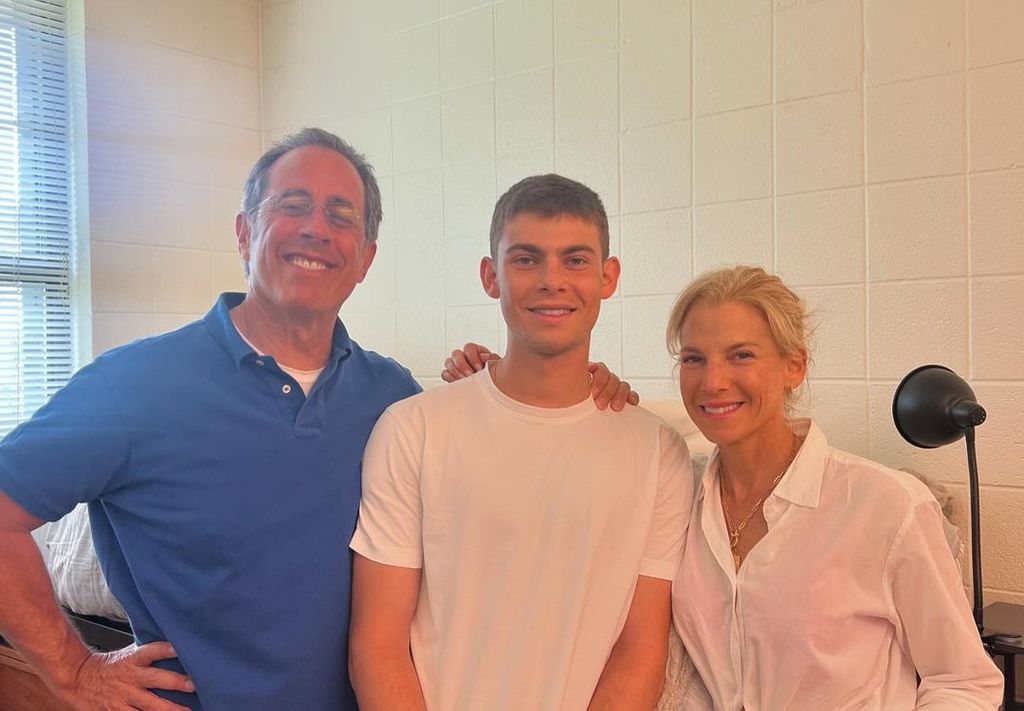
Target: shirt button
x,y
286,388
259,363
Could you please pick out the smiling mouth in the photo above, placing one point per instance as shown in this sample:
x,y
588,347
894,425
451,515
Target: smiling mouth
x,y
552,312
721,410
313,265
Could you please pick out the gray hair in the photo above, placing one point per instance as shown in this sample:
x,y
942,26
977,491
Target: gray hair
x,y
256,183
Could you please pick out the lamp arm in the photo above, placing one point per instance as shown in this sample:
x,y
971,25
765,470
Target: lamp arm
x,y
972,474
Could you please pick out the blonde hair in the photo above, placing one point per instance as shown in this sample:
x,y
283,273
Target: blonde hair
x,y
786,314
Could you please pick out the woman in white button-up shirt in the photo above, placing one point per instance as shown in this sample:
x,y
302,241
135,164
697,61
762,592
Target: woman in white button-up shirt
x,y
812,578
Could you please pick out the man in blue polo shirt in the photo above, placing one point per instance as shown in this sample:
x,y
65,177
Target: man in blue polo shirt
x,y
223,481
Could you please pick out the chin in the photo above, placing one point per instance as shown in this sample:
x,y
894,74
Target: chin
x,y
552,348
310,307
718,433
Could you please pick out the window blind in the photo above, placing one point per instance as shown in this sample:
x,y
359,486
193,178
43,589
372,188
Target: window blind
x,y
36,334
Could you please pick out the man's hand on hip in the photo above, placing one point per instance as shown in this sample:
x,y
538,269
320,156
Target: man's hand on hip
x,y
115,681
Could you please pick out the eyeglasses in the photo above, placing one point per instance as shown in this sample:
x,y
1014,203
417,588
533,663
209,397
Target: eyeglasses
x,y
340,215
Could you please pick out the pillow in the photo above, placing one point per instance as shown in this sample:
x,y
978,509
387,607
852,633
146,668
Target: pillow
x,y
74,570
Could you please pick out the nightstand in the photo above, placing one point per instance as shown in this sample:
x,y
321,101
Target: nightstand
x,y
1004,637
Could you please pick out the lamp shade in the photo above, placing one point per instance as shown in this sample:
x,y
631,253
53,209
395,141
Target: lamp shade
x,y
933,406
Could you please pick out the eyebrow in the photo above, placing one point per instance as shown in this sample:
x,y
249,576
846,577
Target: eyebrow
x,y
732,347
535,250
334,200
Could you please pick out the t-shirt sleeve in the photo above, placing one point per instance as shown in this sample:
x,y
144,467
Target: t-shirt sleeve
x,y
389,530
671,507
69,452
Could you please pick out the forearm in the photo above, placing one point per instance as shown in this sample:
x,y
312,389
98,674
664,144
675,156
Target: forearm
x,y
30,618
630,680
384,678
940,635
955,701
974,684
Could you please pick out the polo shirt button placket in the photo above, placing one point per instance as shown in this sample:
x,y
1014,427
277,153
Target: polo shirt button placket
x,y
286,388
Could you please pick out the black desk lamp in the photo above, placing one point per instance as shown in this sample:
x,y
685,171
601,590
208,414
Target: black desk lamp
x,y
933,407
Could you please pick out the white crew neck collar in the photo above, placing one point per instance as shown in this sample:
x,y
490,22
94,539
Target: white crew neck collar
x,y
582,409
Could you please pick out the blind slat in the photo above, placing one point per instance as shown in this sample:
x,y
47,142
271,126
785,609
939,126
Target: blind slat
x,y
36,328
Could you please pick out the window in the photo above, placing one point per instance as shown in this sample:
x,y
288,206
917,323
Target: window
x,y
36,334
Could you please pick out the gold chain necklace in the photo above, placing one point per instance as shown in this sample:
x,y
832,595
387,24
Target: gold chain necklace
x,y
734,533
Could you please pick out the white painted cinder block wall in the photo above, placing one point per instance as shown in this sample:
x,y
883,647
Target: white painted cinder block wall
x,y
870,151
172,124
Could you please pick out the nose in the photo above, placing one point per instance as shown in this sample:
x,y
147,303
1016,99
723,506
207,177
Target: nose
x,y
551,276
315,224
716,376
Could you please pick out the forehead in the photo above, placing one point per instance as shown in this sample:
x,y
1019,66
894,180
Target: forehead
x,y
317,170
729,322
529,228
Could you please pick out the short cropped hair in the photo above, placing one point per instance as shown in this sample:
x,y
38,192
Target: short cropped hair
x,y
786,313
549,196
256,183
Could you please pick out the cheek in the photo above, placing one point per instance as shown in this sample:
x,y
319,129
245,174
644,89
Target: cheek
x,y
770,388
687,386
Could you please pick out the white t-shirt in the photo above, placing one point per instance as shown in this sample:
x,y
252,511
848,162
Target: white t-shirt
x,y
531,526
851,591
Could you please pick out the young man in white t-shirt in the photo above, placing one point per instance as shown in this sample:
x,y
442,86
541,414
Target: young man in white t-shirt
x,y
516,546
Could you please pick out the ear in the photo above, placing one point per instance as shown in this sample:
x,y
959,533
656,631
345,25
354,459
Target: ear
x,y
610,271
243,233
489,278
369,252
796,370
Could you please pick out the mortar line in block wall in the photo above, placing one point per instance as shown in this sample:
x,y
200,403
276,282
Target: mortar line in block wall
x,y
618,174
259,72
554,87
866,404
988,382
963,486
618,114
494,92
919,280
693,154
774,267
966,206
444,187
1003,591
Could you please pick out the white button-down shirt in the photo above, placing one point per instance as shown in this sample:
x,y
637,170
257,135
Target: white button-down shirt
x,y
851,592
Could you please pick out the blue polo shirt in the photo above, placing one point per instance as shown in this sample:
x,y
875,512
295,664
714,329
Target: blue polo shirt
x,y
222,502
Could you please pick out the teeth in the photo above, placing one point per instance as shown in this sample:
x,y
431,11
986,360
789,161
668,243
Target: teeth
x,y
307,264
552,312
720,410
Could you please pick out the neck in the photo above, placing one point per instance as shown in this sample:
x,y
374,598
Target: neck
x,y
753,464
301,342
543,381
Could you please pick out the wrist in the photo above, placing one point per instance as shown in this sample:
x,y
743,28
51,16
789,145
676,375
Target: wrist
x,y
63,671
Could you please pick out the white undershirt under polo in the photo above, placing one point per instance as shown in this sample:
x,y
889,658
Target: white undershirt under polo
x,y
305,378
531,526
